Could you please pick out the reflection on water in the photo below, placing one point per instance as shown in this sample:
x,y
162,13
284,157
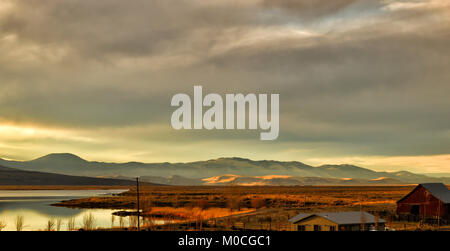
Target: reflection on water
x,y
34,206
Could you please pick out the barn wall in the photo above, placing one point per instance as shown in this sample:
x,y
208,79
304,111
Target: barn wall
x,y
429,205
315,220
358,227
326,224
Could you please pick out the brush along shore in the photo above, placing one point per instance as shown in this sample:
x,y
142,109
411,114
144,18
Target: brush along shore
x,y
235,208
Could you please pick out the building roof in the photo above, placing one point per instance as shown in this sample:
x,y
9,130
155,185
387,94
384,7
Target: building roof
x,y
438,190
298,217
341,218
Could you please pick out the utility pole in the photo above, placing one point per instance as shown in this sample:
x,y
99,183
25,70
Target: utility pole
x,y
138,210
363,218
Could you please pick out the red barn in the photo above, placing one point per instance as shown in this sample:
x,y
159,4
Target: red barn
x,y
428,200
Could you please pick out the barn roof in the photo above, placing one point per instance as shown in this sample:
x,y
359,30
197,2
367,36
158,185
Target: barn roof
x,y
341,218
438,190
298,217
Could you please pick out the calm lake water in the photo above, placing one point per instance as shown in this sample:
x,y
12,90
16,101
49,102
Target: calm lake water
x,y
34,206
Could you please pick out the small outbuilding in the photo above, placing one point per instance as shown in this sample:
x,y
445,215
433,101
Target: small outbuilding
x,y
426,201
338,221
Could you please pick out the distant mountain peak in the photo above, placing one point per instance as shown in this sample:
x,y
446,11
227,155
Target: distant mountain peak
x,y
240,159
60,157
231,158
343,167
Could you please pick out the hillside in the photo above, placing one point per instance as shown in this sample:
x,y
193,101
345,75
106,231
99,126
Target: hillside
x,y
269,180
70,164
14,177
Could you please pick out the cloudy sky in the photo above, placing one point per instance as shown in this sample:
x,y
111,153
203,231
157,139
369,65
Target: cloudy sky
x,y
360,82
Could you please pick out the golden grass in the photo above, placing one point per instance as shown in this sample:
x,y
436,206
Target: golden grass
x,y
253,208
195,212
249,197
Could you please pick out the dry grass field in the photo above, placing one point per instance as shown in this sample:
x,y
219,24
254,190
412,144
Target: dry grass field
x,y
236,197
255,208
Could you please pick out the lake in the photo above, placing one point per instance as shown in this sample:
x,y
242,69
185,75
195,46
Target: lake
x,y
34,207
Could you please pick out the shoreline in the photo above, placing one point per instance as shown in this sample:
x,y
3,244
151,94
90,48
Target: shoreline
x,y
27,187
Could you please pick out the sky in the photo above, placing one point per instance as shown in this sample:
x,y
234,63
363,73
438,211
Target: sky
x,y
360,82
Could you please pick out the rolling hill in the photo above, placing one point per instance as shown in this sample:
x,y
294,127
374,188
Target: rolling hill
x,y
15,177
191,172
268,180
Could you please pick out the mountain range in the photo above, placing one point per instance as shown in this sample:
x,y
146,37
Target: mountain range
x,y
230,171
268,180
15,177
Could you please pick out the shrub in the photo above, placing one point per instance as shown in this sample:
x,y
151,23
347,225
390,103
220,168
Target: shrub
x,y
88,222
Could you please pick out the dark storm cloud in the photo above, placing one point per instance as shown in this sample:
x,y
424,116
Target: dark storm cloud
x,y
376,84
309,9
114,27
